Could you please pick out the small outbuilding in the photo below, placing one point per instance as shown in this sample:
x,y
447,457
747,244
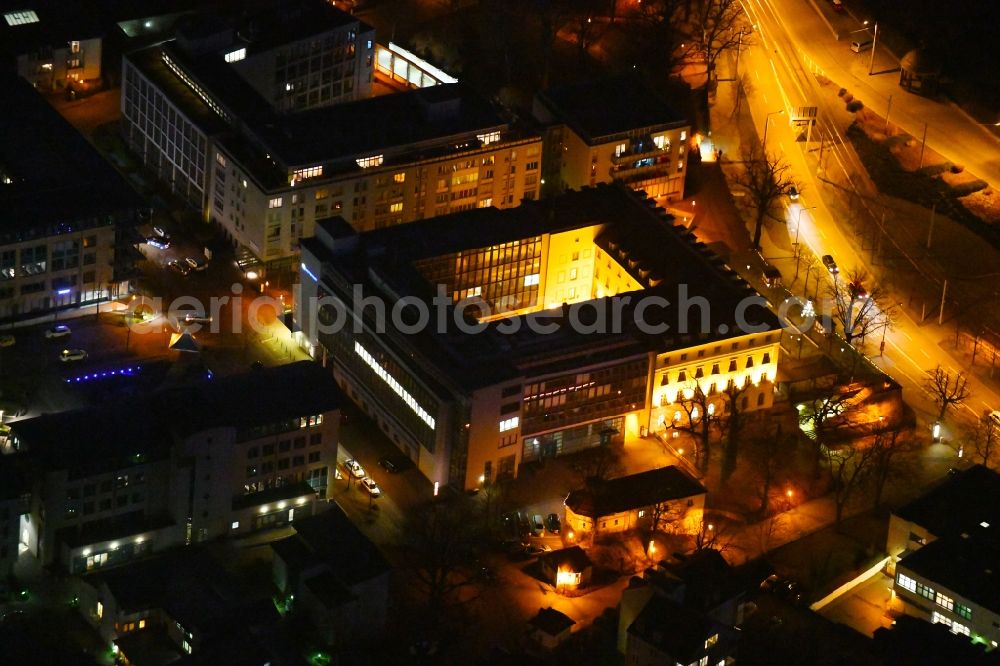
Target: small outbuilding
x,y
550,628
919,72
568,568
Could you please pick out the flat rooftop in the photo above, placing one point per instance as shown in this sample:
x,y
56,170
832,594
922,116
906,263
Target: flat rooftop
x,y
635,231
967,564
635,491
57,179
959,505
601,108
142,429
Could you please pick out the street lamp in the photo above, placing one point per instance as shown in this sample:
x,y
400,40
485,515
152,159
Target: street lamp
x,y
871,61
798,221
766,119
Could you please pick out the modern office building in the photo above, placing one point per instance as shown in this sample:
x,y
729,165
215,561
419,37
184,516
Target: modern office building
x,y
556,326
66,216
944,551
181,465
52,44
266,137
613,130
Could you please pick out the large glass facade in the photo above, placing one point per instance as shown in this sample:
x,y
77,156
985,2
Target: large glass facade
x,y
504,277
572,398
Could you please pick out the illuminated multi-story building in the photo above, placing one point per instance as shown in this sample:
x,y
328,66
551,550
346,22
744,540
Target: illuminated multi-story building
x,y
613,130
53,44
477,388
66,216
265,160
222,457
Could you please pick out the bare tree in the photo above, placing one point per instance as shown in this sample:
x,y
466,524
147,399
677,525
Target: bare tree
x,y
947,390
598,464
699,416
766,178
860,313
717,30
441,540
890,449
658,34
850,467
713,536
986,439
731,424
816,417
764,455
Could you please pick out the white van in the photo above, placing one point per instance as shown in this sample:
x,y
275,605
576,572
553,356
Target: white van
x,y
861,44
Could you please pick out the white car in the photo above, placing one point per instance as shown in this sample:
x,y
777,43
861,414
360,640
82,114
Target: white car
x,y
159,243
67,355
191,318
7,341
161,232
355,468
196,263
57,331
370,485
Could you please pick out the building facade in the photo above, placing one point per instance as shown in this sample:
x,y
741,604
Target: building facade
x,y
53,45
66,217
179,467
544,372
613,130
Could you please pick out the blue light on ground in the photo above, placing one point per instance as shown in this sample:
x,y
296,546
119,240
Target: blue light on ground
x,y
106,374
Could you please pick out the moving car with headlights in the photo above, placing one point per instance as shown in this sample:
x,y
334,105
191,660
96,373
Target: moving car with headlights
x,y
369,484
67,355
57,331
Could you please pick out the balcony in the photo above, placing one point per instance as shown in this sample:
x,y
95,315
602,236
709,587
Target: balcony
x,y
645,172
630,156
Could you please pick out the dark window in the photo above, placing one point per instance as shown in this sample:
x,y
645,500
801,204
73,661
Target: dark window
x,y
252,452
284,445
511,391
510,407
268,449
106,486
283,463
298,461
314,456
88,508
105,504
315,438
300,442
121,500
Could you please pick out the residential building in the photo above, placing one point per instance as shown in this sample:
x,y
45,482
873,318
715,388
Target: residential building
x,y
667,496
944,551
543,342
550,628
684,612
333,574
613,129
911,640
167,607
222,457
52,44
66,216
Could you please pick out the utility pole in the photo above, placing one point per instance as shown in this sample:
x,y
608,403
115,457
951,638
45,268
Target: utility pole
x,y
739,47
923,143
930,231
944,290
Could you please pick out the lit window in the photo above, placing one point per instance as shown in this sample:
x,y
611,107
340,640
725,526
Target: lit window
x,y
487,139
100,610
620,148
369,43
274,203
399,177
509,424
531,280
475,291
963,611
220,158
572,274
74,47
397,388
680,165
906,582
684,135
235,525
396,207
642,512
659,141
944,601
711,640
486,203
21,18
237,55
309,172
368,162
572,292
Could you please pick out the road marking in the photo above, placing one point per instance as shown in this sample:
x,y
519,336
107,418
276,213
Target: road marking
x,y
906,335
986,406
924,352
757,74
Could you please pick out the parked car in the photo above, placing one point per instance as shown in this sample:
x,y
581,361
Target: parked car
x,y
537,526
830,264
552,523
67,355
395,464
7,340
838,6
769,583
160,232
57,331
178,267
159,243
354,468
372,487
772,276
192,318
197,263
789,590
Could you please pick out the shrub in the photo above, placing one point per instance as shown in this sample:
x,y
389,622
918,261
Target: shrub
x,y
965,189
848,97
842,92
855,106
957,168
934,169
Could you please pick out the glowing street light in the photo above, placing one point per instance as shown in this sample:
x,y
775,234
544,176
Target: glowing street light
x,y
766,119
